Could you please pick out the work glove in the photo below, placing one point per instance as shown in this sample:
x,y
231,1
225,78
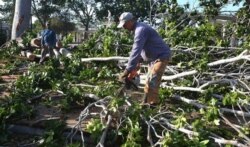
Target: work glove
x,y
123,76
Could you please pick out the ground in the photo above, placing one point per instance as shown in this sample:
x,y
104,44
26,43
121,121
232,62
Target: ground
x,y
43,112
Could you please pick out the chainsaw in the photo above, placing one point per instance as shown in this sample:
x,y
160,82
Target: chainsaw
x,y
131,82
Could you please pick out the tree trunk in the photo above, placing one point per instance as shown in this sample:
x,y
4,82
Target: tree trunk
x,y
86,32
21,19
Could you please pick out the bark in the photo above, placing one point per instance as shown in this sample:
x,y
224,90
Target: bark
x,y
103,59
186,131
242,56
232,142
179,75
21,19
104,134
236,129
222,110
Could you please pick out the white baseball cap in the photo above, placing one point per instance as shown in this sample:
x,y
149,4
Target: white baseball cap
x,y
125,16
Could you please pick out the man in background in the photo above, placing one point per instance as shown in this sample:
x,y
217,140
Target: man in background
x,y
48,42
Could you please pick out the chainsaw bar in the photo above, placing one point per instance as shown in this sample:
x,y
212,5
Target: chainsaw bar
x,y
127,85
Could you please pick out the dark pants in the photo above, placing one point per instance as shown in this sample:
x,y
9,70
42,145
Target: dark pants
x,y
45,50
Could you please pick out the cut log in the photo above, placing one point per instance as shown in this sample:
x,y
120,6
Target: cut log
x,y
65,52
29,55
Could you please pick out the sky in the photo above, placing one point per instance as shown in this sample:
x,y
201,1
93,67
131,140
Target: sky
x,y
194,3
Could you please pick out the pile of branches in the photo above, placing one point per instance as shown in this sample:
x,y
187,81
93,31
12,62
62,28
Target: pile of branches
x,y
205,97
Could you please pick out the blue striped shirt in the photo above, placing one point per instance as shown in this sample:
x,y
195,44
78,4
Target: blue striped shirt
x,y
148,45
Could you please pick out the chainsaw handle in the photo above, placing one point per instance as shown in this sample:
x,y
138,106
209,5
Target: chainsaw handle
x,y
132,74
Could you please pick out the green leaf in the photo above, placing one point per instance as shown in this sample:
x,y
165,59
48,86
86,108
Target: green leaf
x,y
217,122
204,142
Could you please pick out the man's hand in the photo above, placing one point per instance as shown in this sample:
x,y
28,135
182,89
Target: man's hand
x,y
123,76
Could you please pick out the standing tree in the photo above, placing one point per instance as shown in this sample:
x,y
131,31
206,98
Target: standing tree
x,y
116,7
7,11
62,26
44,10
84,11
139,8
21,19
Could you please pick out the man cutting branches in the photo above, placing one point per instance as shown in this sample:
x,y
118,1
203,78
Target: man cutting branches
x,y
149,47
